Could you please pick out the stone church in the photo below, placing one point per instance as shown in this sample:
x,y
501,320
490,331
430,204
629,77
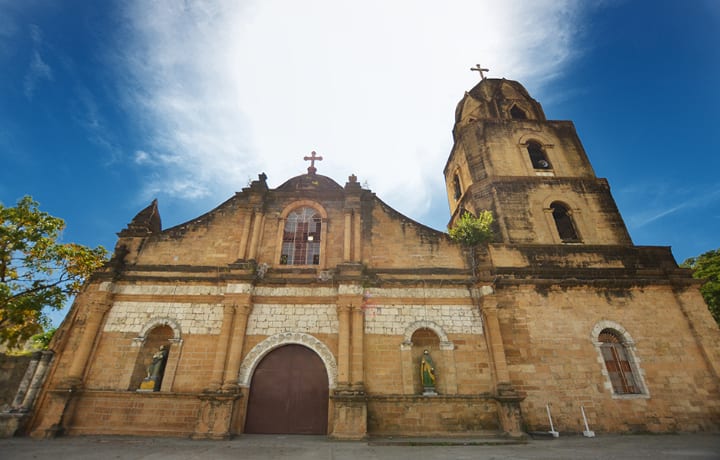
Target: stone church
x,y
308,308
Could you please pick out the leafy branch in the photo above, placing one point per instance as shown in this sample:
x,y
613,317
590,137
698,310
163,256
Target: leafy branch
x,y
707,266
36,271
470,232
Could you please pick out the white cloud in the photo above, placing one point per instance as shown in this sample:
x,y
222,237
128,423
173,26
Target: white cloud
x,y
142,157
228,89
653,202
37,70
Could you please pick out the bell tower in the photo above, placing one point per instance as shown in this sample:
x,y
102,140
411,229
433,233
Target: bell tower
x,y
532,173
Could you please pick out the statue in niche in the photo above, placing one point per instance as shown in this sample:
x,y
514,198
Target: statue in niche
x,y
427,374
155,371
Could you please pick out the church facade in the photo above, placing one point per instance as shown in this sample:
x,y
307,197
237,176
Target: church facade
x,y
316,308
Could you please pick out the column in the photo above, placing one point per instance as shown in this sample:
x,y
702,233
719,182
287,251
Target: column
x,y
508,400
448,377
347,242
257,224
99,305
358,336
357,236
245,236
221,351
495,342
234,358
37,381
174,354
407,367
343,360
25,382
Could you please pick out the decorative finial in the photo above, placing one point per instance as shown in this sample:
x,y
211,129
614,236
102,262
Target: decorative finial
x,y
312,169
478,68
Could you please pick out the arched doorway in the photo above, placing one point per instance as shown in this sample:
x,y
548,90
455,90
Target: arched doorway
x,y
288,393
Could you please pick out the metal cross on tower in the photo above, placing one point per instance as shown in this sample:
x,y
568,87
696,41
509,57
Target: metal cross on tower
x,y
312,169
479,69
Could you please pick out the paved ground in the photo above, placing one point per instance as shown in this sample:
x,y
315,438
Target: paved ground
x,y
656,447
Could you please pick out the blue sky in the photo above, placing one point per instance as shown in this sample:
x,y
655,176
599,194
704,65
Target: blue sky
x,y
107,105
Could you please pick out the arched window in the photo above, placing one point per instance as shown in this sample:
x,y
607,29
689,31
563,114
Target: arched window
x,y
537,156
617,363
563,222
456,187
301,238
517,113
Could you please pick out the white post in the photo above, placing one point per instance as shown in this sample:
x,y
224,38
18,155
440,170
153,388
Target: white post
x,y
587,433
552,428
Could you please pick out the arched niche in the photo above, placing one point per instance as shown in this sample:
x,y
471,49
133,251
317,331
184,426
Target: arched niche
x,y
432,337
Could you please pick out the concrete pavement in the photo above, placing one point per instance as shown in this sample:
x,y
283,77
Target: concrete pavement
x,y
656,447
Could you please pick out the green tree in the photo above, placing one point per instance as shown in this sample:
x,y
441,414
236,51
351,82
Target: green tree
x,y
36,271
470,232
707,266
42,340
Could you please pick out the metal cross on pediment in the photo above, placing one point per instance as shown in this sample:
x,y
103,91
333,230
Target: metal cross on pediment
x,y
312,169
478,68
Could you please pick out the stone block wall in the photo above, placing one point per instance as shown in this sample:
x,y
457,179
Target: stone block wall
x,y
552,359
147,414
431,415
12,370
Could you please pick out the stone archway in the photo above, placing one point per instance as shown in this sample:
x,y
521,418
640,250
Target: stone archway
x,y
259,351
288,393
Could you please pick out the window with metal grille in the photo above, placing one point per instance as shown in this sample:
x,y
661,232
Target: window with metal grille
x,y
617,363
301,238
564,223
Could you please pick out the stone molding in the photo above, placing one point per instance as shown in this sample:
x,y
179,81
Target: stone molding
x,y
260,350
629,345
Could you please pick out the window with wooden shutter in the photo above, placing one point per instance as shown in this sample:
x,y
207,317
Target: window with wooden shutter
x,y
617,363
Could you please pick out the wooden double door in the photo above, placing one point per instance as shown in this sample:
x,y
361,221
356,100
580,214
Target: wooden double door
x,y
288,393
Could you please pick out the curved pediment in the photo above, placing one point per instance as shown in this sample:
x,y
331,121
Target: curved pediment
x,y
309,182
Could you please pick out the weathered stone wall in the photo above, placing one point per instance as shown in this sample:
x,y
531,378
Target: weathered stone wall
x,y
385,289
393,240
525,203
146,414
12,371
431,415
552,358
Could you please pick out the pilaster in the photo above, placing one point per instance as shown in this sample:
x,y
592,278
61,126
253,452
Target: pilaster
x,y
215,416
495,341
358,344
223,344
243,309
99,303
343,359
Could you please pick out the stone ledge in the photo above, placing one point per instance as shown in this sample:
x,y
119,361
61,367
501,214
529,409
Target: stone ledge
x,y
431,399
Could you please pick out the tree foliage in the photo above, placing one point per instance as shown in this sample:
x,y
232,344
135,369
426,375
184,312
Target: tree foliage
x,y
707,266
472,231
42,340
36,271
